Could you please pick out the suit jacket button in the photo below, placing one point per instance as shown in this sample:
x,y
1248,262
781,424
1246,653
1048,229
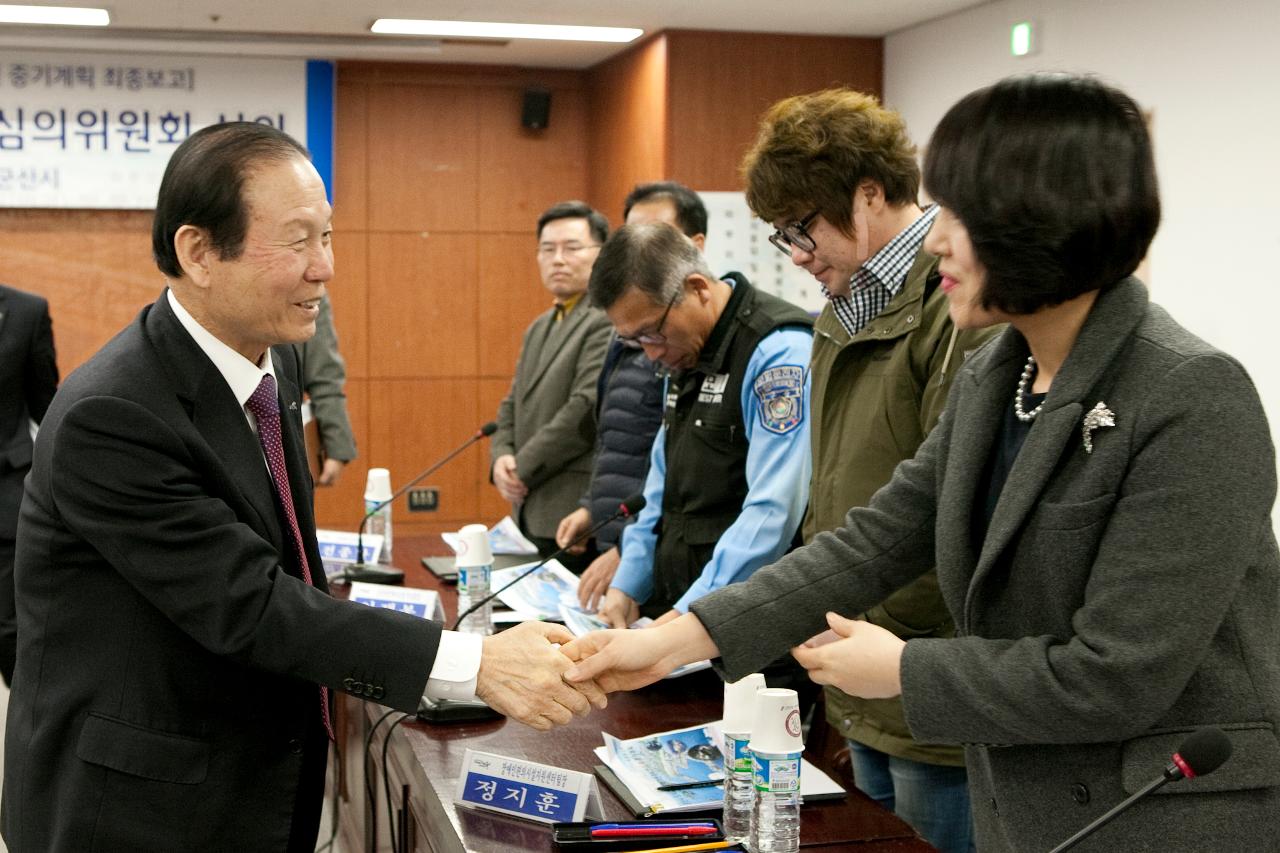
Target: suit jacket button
x,y
347,682
368,690
295,746
378,693
357,687
1080,793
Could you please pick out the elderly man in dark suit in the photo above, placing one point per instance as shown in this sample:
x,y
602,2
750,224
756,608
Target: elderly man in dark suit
x,y
545,443
28,378
176,641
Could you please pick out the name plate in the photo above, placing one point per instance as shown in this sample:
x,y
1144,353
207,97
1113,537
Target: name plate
x,y
422,603
526,789
338,546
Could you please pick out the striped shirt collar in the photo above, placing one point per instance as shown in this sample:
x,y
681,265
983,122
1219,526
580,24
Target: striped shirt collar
x,y
882,276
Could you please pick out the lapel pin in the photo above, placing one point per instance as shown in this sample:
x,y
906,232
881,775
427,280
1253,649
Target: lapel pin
x,y
293,405
1099,416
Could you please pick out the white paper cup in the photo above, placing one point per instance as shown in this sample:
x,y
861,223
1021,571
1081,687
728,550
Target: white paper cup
x,y
378,487
473,550
740,704
776,727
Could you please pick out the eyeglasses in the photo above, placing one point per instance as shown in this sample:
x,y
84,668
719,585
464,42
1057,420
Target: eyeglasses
x,y
794,234
655,337
550,250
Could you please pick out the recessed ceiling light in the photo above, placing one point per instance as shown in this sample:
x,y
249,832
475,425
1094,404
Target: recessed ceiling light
x,y
64,15
485,29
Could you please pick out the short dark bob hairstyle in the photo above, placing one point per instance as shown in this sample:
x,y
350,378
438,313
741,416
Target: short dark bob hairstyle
x,y
203,185
1053,177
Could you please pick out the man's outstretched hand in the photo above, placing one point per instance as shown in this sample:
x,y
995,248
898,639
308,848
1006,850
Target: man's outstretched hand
x,y
521,675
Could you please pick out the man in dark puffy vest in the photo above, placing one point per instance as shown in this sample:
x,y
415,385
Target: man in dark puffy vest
x,y
629,407
729,470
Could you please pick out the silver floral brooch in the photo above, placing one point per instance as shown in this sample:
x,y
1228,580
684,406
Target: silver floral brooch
x,y
1099,416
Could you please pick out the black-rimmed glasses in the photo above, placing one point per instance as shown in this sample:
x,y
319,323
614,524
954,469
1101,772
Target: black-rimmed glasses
x,y
795,234
655,337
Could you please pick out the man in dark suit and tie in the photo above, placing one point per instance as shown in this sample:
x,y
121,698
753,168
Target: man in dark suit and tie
x,y
176,641
28,378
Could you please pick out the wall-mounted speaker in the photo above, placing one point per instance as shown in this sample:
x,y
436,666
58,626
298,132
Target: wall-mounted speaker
x,y
536,109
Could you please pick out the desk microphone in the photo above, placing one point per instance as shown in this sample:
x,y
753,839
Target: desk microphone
x,y
362,571
1200,754
626,509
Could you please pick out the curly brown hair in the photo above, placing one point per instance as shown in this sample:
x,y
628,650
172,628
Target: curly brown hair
x,y
814,150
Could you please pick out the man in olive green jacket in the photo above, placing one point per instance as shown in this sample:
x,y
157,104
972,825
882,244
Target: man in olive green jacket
x,y
884,353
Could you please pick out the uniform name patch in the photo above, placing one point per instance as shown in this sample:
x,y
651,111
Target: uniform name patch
x,y
780,391
712,390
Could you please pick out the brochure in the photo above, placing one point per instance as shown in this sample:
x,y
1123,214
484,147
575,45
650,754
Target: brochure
x,y
540,595
504,538
580,622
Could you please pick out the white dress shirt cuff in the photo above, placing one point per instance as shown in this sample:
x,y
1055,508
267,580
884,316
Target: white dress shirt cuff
x,y
457,665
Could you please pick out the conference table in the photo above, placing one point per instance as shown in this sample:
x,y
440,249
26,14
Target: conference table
x,y
421,763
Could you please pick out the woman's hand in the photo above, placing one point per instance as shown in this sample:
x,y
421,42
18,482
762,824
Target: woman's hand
x,y
862,659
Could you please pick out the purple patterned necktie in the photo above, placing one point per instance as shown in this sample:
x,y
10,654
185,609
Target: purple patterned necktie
x,y
265,406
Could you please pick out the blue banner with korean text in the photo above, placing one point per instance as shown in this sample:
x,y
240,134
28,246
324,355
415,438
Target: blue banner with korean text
x,y
81,130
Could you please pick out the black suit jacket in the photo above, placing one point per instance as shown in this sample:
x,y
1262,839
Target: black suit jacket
x,y
28,378
168,650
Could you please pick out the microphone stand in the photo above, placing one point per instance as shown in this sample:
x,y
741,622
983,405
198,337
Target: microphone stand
x,y
367,573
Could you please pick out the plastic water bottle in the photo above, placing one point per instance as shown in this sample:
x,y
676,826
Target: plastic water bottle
x,y
475,570
376,490
775,822
739,789
775,753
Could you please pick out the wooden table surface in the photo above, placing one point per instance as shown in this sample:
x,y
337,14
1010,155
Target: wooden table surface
x,y
426,759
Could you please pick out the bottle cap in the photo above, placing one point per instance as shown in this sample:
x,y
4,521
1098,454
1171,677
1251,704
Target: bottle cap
x,y
378,486
775,729
473,547
740,704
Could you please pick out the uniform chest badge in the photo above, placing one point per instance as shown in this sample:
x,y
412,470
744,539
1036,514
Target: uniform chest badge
x,y
780,392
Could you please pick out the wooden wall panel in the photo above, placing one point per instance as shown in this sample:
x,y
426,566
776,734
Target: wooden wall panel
x,y
351,158
628,133
422,305
490,504
349,298
523,172
511,295
94,267
423,158
412,423
720,82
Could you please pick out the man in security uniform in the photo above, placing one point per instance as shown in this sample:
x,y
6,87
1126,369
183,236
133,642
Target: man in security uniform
x,y
729,470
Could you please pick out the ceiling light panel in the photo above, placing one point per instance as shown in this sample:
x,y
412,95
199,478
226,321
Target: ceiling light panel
x,y
485,29
58,15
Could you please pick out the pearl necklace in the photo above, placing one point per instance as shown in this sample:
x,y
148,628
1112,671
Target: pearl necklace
x,y
1027,373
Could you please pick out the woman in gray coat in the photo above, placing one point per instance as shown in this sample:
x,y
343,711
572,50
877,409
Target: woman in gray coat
x,y
1097,499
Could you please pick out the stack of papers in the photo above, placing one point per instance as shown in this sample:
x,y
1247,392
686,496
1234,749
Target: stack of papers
x,y
693,756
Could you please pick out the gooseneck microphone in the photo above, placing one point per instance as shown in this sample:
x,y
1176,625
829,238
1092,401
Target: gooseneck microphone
x,y
1201,753
626,509
362,571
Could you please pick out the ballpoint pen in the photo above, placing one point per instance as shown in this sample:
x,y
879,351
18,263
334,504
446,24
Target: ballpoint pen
x,y
684,786
690,848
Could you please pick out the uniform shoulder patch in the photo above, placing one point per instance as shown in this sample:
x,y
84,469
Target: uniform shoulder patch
x,y
780,392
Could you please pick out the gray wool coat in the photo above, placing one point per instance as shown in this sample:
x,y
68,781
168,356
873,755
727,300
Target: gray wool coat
x,y
1121,599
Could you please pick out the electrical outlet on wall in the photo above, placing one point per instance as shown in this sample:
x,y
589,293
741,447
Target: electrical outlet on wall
x,y
424,500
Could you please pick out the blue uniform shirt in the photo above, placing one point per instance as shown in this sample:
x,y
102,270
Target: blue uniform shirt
x,y
778,469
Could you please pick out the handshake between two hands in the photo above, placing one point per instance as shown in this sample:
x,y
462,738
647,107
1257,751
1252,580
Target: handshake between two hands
x,y
539,674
